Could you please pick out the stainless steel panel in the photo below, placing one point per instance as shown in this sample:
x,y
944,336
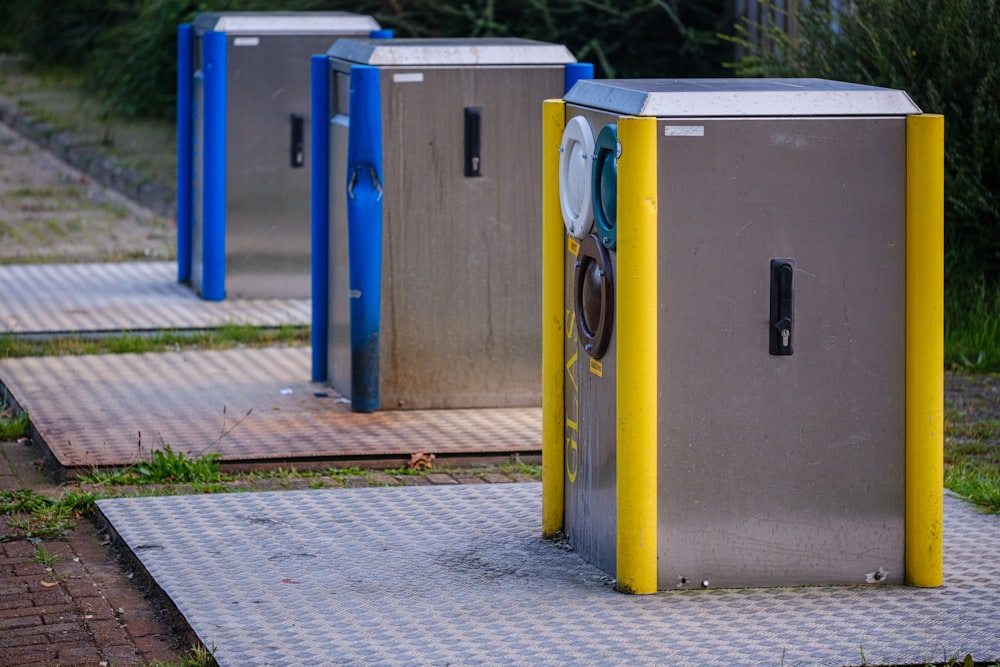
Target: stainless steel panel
x,y
461,51
339,328
461,276
591,505
739,97
781,470
268,201
590,476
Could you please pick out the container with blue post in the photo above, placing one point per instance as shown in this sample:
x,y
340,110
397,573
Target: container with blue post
x,y
243,134
432,216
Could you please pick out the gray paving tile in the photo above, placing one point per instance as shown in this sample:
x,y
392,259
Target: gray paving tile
x,y
91,410
128,296
458,575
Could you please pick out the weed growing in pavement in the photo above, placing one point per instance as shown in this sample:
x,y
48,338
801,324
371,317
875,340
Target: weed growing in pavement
x,y
43,556
196,656
33,515
519,467
163,466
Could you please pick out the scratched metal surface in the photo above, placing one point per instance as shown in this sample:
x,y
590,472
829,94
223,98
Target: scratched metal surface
x,y
93,411
459,576
132,296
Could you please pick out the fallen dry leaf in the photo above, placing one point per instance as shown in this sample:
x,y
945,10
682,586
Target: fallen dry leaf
x,y
421,461
48,584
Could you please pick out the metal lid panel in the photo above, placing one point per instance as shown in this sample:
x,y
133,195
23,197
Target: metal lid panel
x,y
260,23
739,97
450,52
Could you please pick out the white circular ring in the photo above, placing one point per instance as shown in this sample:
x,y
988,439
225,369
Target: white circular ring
x,y
575,177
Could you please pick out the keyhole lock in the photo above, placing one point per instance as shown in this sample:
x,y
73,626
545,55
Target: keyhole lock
x,y
782,307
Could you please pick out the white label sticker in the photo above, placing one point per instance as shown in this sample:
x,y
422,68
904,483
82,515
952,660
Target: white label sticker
x,y
246,41
408,77
684,131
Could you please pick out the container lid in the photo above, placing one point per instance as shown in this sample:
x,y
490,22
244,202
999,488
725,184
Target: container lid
x,y
739,97
454,51
302,23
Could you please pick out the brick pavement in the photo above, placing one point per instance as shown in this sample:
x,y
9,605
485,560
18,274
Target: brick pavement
x,y
86,610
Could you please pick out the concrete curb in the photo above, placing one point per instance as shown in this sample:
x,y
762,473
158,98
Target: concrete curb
x,y
90,159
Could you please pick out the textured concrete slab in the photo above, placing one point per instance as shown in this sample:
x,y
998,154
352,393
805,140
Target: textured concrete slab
x,y
459,576
133,296
94,410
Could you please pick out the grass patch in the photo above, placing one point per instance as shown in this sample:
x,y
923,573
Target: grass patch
x,y
979,483
13,424
972,459
223,338
33,515
972,328
163,466
519,467
196,656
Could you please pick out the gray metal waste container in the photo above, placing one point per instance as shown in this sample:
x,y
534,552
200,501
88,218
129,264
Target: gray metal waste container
x,y
735,363
243,163
432,211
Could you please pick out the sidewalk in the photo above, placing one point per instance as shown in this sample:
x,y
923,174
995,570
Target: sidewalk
x,y
95,614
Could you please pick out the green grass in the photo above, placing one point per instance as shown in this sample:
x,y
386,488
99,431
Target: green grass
x,y
226,337
43,556
972,328
33,515
196,656
13,425
972,459
163,466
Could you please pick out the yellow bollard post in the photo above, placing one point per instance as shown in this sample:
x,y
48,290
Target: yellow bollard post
x,y
924,349
553,237
635,322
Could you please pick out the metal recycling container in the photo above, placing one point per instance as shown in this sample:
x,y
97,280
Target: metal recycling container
x,y
745,386
243,166
431,215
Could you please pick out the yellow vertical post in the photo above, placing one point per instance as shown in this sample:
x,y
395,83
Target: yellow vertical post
x,y
553,406
635,326
924,349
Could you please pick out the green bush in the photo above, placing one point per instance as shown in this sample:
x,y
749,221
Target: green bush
x,y
128,47
946,55
62,32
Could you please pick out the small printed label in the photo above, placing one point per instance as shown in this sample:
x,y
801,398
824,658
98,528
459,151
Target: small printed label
x,y
596,367
355,294
408,77
684,131
573,246
246,41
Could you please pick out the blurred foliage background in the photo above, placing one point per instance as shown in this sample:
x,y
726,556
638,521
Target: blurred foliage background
x,y
944,53
127,48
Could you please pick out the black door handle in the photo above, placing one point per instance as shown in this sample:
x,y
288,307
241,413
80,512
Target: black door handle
x,y
782,307
298,141
473,141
